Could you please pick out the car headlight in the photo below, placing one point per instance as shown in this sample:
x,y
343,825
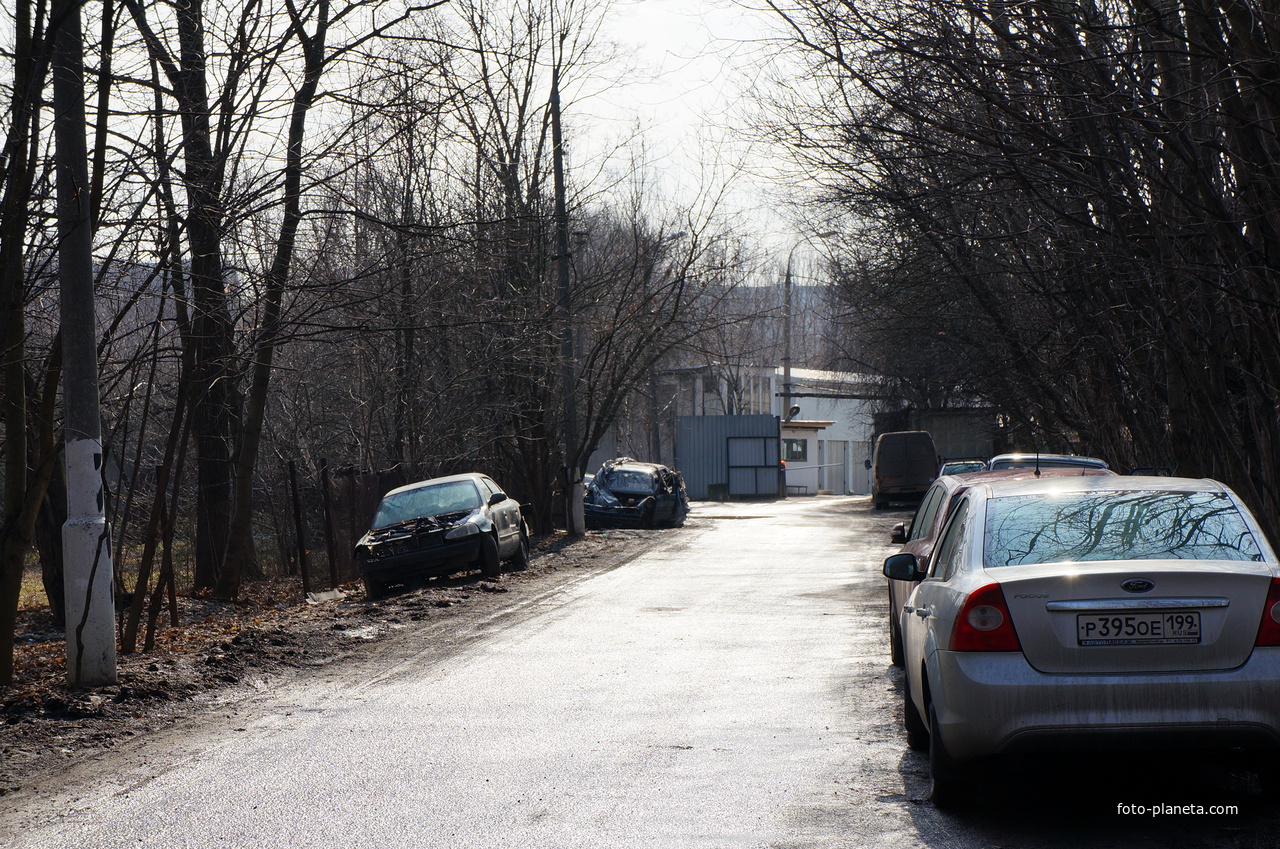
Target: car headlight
x,y
386,547
468,527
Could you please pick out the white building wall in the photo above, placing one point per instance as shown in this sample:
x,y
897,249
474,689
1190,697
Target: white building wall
x,y
852,423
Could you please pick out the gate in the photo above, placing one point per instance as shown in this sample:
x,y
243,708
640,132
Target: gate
x,y
753,466
729,456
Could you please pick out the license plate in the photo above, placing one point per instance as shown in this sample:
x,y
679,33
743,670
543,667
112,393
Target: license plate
x,y
1128,629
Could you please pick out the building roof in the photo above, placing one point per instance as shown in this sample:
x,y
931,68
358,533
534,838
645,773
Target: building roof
x,y
829,379
797,424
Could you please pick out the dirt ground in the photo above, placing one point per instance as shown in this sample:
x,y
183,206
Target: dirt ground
x,y
270,630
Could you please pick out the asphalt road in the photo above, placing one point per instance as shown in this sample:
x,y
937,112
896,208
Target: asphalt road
x,y
731,688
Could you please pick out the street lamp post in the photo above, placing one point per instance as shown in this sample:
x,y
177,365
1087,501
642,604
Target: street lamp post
x,y
786,322
655,434
786,337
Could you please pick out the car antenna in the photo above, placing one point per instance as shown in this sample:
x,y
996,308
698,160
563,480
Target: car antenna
x,y
1035,443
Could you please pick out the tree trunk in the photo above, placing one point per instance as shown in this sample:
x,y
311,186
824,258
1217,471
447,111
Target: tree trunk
x,y
239,551
20,502
212,327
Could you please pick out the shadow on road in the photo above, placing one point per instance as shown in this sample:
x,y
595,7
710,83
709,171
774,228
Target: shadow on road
x,y
1200,799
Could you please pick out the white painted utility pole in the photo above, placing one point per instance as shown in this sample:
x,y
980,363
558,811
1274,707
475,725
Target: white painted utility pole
x,y
91,633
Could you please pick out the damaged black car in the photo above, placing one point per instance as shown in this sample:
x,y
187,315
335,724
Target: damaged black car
x,y
441,526
629,492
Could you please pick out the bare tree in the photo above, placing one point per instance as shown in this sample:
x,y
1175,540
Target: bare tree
x,y
1087,182
397,268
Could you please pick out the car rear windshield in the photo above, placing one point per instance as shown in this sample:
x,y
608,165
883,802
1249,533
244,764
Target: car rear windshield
x,y
1043,463
453,497
1090,526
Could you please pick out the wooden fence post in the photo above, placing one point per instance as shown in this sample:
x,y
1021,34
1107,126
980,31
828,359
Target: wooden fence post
x,y
299,529
329,543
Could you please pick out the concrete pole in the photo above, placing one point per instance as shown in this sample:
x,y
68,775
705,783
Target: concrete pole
x,y
786,339
91,634
574,518
786,323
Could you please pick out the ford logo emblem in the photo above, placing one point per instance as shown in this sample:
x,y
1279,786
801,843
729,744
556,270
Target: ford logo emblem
x,y
1137,585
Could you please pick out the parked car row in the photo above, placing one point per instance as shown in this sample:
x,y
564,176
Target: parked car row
x,y
906,462
450,524
1070,608
1026,460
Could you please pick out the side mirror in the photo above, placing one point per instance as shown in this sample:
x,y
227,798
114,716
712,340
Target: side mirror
x,y
867,463
901,567
898,535
497,498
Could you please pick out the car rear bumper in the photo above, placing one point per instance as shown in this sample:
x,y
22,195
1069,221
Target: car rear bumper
x,y
899,493
449,556
996,703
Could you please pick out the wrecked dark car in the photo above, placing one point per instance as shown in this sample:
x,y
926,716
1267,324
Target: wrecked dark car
x,y
629,492
441,526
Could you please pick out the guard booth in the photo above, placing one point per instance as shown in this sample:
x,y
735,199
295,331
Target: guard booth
x,y
723,457
805,456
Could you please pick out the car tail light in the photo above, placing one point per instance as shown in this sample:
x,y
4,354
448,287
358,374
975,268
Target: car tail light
x,y
1269,629
984,624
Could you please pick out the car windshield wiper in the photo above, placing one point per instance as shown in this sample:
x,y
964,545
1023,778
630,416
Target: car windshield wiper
x,y
416,524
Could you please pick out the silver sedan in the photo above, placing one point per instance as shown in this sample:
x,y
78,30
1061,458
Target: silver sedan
x,y
1099,612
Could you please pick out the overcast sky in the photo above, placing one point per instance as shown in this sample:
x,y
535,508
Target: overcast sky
x,y
695,64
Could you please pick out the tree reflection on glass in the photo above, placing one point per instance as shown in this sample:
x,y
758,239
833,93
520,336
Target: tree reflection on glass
x,y
424,501
1092,526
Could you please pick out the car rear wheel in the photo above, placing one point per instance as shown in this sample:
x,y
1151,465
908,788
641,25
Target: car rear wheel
x,y
917,733
490,564
947,784
520,560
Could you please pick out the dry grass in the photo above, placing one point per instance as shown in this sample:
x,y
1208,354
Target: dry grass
x,y
31,594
